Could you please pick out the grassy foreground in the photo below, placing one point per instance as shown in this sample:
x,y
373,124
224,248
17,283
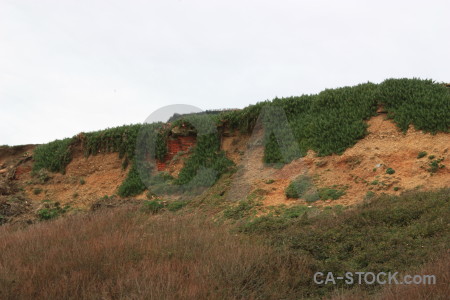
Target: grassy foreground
x,y
125,253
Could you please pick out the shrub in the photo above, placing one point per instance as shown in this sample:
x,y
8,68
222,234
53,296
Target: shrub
x,y
333,120
312,197
390,171
435,165
54,156
422,154
37,191
51,210
82,181
431,157
206,160
298,187
423,103
330,193
132,184
295,211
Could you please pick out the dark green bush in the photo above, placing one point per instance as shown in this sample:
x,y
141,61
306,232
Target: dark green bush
x,y
435,165
390,171
54,156
333,120
422,154
207,159
132,185
423,103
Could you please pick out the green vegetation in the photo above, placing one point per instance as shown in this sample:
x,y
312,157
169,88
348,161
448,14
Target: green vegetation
x,y
390,171
369,195
132,184
176,205
431,157
205,156
51,210
243,209
54,156
332,193
388,233
188,255
422,154
435,165
303,187
298,187
153,206
37,191
422,103
312,197
121,139
333,120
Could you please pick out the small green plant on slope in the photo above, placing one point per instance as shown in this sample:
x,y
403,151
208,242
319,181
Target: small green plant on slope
x,y
390,171
298,187
331,193
422,154
435,165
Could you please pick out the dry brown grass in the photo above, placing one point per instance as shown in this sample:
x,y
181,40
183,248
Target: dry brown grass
x,y
440,267
124,254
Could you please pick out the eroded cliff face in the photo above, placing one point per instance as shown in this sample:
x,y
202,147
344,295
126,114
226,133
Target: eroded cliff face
x,y
361,169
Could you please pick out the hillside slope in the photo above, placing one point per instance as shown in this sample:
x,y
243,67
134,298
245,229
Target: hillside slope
x,y
346,144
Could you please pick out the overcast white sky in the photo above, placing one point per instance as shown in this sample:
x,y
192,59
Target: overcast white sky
x,y
72,66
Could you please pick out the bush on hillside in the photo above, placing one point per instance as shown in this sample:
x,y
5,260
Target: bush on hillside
x,y
54,156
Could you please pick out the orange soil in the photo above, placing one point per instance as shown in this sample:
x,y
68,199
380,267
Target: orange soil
x,y
384,147
101,173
